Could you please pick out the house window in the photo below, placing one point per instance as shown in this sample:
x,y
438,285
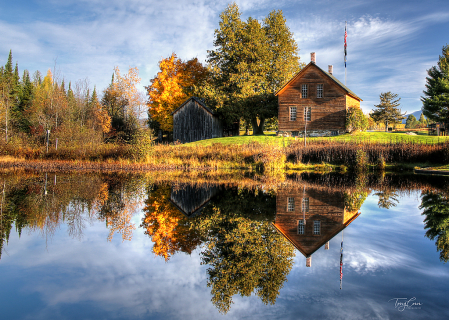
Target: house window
x,y
304,91
316,227
305,204
300,226
319,91
292,113
290,204
307,113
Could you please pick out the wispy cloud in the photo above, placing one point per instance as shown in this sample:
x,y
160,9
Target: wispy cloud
x,y
89,38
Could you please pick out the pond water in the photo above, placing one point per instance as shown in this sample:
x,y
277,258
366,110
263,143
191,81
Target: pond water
x,y
121,246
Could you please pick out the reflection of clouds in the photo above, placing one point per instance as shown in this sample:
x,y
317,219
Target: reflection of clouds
x,y
119,280
115,276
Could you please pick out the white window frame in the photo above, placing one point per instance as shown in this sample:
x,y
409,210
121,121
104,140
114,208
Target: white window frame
x,y
301,226
307,113
293,111
316,227
304,91
319,90
305,204
290,204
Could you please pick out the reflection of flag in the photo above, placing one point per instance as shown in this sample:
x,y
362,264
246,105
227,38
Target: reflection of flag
x,y
341,262
346,44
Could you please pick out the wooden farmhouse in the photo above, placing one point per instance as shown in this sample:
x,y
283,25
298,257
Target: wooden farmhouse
x,y
193,121
310,217
315,102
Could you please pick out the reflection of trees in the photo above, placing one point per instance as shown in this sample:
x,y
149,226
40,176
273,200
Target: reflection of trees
x,y
355,199
244,255
118,199
436,210
38,202
243,251
168,228
387,198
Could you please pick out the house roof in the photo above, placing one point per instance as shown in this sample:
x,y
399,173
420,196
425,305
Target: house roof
x,y
307,252
201,103
311,65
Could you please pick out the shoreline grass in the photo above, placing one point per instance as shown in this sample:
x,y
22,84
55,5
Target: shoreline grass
x,y
251,153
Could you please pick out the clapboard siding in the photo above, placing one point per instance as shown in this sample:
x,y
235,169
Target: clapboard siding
x,y
325,206
193,122
327,113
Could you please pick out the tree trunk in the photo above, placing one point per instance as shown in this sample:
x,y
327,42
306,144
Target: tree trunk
x,y
257,128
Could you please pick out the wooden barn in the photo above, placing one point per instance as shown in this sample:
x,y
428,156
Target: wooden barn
x,y
193,121
315,102
310,217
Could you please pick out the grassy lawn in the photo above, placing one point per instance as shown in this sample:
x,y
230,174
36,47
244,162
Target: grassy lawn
x,y
362,137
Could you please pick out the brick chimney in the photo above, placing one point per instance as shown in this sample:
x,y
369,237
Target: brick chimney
x,y
309,261
326,246
331,69
313,57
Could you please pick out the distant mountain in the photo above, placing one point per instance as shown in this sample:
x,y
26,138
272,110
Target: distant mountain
x,y
417,114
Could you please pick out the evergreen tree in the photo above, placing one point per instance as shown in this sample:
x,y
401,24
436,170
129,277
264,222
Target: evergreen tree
x,y
8,93
25,99
387,111
436,96
411,122
422,122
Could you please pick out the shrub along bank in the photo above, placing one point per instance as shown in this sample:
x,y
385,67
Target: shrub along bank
x,y
264,157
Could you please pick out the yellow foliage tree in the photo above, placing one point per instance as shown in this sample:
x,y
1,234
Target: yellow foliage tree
x,y
126,86
173,84
168,228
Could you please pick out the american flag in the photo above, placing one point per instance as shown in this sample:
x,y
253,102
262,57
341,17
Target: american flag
x,y
341,263
346,44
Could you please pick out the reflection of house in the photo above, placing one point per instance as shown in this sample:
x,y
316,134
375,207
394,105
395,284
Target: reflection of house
x,y
310,217
190,199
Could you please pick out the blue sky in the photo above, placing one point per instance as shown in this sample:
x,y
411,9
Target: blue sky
x,y
391,43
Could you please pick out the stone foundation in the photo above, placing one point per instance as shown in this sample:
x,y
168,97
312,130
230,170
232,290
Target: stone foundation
x,y
311,133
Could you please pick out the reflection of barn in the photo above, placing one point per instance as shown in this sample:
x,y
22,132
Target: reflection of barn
x,y
310,217
191,199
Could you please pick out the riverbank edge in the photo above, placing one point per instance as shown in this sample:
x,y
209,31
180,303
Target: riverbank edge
x,y
127,166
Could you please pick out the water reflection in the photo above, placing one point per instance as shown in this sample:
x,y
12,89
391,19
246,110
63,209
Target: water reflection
x,y
436,212
246,235
41,202
310,217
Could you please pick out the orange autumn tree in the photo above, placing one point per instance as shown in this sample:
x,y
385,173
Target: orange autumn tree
x,y
168,228
173,84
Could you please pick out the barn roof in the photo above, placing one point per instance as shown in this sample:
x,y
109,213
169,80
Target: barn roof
x,y
299,74
198,100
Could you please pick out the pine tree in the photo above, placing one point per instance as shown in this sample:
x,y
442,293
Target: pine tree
x,y
422,121
7,94
436,96
387,111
